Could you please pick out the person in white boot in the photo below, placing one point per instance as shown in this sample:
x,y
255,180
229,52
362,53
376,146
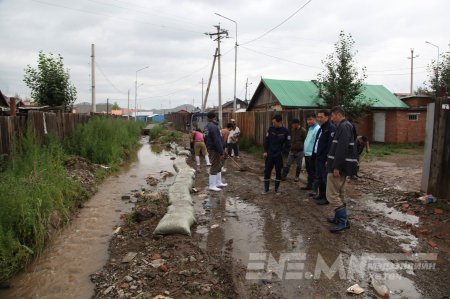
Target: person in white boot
x,y
215,146
200,147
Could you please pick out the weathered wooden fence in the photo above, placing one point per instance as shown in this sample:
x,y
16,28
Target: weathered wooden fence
x,y
253,125
439,179
41,123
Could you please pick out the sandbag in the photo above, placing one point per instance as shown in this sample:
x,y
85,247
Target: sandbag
x,y
175,223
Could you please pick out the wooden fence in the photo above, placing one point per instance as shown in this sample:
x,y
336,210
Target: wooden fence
x,y
439,179
41,123
253,125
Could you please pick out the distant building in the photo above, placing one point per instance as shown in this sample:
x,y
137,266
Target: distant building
x,y
240,106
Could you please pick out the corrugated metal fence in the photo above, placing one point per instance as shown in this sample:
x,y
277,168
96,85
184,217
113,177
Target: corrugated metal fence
x,y
41,123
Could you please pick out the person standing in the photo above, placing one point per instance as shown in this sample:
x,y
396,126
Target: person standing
x,y
321,148
225,132
199,147
277,139
341,162
215,146
233,149
313,128
298,135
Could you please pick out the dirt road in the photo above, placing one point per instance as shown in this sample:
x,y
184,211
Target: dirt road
x,y
248,245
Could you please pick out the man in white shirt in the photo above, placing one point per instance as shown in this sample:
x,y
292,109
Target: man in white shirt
x,y
232,142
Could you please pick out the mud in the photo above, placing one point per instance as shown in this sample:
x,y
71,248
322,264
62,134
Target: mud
x,y
248,245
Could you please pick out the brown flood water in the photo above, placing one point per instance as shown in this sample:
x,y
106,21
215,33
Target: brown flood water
x,y
63,269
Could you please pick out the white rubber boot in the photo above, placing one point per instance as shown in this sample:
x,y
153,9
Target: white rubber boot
x,y
207,161
197,159
219,181
213,182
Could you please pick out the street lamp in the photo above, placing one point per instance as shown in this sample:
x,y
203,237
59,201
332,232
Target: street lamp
x,y
235,59
135,92
437,61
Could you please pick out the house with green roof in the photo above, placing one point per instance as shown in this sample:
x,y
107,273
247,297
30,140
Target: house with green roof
x,y
391,120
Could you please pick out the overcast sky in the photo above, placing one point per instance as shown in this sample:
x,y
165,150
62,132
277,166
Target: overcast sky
x,y
168,36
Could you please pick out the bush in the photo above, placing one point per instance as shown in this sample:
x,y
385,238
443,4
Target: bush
x,y
104,140
155,132
249,146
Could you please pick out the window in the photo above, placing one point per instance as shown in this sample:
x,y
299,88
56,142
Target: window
x,y
413,116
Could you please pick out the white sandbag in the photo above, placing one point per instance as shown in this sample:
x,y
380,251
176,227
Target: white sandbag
x,y
179,197
175,223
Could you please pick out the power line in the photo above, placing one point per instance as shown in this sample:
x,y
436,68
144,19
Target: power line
x,y
279,58
107,79
284,21
116,17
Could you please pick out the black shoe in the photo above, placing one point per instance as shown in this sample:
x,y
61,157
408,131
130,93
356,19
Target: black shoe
x,y
306,188
318,196
312,194
322,202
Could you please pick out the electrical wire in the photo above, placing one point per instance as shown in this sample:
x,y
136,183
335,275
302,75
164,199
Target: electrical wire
x,y
107,79
284,21
279,58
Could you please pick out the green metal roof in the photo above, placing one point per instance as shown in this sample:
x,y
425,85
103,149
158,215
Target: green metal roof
x,y
292,93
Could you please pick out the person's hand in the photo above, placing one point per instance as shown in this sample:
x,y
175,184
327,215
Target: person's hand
x,y
265,155
336,173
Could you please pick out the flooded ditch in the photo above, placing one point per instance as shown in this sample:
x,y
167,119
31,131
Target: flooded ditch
x,y
80,249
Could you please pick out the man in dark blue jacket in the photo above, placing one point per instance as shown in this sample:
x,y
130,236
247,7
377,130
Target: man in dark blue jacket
x,y
321,147
342,162
215,146
277,140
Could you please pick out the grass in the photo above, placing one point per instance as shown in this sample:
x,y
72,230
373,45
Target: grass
x,y
164,135
249,146
381,150
35,185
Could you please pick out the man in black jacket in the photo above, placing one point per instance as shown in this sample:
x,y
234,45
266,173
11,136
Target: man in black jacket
x,y
322,146
298,135
215,146
342,162
277,140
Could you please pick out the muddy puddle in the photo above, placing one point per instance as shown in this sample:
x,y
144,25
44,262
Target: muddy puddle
x,y
63,270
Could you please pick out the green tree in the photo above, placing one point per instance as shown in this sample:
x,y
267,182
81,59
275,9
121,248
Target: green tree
x,y
340,83
439,75
49,82
115,106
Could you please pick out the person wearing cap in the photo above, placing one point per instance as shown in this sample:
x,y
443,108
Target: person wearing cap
x,y
276,142
232,143
298,135
215,146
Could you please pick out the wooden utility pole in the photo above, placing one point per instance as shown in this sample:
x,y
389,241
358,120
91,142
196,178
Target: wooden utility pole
x,y
128,109
93,108
209,81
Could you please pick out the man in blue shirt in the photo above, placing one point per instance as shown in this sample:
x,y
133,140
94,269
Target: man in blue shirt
x,y
277,140
313,127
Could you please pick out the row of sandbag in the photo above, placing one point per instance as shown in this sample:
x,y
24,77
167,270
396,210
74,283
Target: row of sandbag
x,y
180,213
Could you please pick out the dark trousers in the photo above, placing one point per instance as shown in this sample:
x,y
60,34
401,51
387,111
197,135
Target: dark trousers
x,y
233,148
215,162
321,172
310,164
270,163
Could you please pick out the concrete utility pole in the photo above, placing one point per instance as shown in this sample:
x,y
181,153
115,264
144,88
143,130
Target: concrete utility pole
x,y
246,88
128,109
412,63
202,83
209,81
135,92
93,108
221,33
437,62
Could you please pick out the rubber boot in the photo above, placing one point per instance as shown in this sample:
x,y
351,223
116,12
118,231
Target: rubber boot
x,y
266,186
219,182
197,160
333,219
320,193
277,186
314,189
207,161
212,183
342,219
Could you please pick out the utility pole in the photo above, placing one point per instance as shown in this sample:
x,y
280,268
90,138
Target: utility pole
x,y
93,108
412,63
221,33
202,83
128,109
209,81
246,88
107,106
